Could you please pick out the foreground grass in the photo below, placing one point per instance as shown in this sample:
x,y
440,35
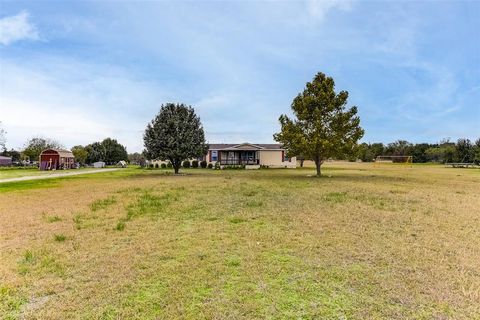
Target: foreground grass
x,y
365,241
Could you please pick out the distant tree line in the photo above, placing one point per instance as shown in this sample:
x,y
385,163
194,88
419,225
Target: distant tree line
x,y
108,150
446,151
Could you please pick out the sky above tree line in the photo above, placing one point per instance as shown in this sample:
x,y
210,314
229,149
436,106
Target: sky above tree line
x,y
79,72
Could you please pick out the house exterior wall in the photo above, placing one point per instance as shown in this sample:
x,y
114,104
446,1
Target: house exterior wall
x,y
274,159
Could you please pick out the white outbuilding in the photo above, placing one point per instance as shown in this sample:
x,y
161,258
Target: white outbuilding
x,y
99,164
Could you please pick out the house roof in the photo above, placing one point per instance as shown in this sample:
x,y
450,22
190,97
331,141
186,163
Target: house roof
x,y
61,152
5,158
245,146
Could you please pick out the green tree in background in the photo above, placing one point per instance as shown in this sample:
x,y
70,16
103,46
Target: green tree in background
x,y
109,151
323,127
175,134
80,154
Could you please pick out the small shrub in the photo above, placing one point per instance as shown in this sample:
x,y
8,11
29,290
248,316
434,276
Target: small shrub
x,y
217,165
210,166
186,164
203,164
194,164
169,165
163,165
54,219
150,165
60,237
120,226
156,166
29,257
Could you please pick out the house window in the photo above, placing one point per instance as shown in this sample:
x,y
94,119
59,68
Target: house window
x,y
214,155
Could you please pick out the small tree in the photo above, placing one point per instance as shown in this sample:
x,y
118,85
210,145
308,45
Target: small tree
x,y
175,134
324,127
80,154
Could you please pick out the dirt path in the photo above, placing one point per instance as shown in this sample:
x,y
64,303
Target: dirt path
x,y
56,175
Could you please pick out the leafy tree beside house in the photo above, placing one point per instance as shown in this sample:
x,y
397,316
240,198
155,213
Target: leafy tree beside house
x,y
323,126
80,154
175,134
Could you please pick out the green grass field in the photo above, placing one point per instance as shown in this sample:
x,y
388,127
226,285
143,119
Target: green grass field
x,y
363,242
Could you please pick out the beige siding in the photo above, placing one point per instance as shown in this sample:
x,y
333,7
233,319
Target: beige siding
x,y
273,158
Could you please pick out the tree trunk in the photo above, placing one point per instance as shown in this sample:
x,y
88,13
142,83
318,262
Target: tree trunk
x,y
318,164
176,164
301,163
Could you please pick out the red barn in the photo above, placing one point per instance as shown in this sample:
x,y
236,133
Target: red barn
x,y
53,159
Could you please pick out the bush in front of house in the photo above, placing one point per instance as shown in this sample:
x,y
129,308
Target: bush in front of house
x,y
203,164
169,164
186,164
150,165
210,166
156,166
217,165
195,164
163,165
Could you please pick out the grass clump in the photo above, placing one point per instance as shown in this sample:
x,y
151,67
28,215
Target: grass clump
x,y
120,226
102,203
335,197
54,219
236,220
60,237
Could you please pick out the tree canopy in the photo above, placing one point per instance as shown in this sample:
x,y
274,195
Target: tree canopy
x,y
109,151
80,154
175,134
323,127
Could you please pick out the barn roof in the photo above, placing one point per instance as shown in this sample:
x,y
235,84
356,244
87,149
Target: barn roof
x,y
61,152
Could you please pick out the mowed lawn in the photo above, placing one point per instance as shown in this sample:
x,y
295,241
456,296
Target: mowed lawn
x,y
363,242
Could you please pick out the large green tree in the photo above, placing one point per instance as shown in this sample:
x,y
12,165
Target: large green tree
x,y
323,126
35,146
175,134
114,151
109,151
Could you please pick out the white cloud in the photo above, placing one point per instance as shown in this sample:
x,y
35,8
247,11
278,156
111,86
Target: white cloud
x,y
16,28
74,102
319,8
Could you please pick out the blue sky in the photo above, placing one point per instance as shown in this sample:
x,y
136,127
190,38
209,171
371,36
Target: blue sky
x,y
82,71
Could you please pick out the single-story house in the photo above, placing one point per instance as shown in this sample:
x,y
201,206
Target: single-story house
x,y
53,159
5,161
251,155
